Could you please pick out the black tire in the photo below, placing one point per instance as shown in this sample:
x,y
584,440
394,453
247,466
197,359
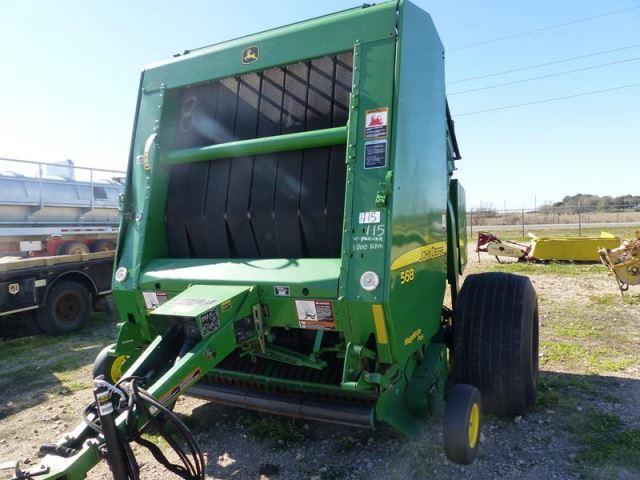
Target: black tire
x,y
462,422
495,341
108,365
102,246
67,308
72,248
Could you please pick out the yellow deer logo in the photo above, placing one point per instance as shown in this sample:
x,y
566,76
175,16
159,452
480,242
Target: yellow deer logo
x,y
250,54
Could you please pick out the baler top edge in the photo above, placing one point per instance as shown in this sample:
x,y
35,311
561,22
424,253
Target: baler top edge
x,y
267,34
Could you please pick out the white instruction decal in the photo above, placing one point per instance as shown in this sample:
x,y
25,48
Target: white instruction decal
x,y
375,154
281,291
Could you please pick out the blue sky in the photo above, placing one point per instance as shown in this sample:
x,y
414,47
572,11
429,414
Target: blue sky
x,y
69,74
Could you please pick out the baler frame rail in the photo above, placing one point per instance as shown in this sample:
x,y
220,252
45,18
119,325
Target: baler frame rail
x,y
258,146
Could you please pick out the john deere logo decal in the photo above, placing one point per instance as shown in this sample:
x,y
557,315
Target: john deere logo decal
x,y
250,54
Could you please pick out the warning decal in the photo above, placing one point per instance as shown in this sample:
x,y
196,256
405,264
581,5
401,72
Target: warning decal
x,y
185,383
153,300
316,314
376,123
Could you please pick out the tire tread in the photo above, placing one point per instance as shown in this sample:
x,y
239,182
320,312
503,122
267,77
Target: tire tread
x,y
493,321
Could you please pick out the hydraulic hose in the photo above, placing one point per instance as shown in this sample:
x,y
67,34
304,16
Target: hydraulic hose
x,y
115,452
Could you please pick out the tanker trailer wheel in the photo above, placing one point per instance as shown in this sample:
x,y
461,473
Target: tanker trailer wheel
x,y
102,246
67,308
462,420
495,341
72,248
108,365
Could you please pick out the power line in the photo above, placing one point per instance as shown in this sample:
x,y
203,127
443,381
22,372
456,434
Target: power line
x,y
546,100
540,77
555,62
543,29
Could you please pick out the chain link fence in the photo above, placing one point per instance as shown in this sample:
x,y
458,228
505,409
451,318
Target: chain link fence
x,y
575,219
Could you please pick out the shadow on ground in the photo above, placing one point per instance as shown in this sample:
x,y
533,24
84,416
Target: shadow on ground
x,y
582,425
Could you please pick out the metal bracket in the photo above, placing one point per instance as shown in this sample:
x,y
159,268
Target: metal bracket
x,y
19,474
149,144
151,91
382,196
257,317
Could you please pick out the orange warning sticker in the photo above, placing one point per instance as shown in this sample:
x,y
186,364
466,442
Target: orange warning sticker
x,y
315,314
185,383
375,125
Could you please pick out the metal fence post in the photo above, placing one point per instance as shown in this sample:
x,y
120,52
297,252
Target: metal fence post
x,y
580,219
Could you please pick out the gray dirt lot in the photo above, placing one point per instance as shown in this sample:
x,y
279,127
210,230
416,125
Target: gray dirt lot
x,y
586,423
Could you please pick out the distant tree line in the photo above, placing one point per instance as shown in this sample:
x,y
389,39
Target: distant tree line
x,y
572,203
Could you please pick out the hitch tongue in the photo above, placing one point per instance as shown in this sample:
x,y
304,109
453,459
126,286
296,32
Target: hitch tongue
x,y
19,474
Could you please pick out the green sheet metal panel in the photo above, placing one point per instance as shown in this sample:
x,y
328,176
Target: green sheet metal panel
x,y
312,38
459,204
417,256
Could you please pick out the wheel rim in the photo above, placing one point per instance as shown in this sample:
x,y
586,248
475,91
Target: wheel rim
x,y
78,250
115,372
474,425
105,247
69,308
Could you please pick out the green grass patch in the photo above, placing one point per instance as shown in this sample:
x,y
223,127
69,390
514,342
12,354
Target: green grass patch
x,y
581,328
281,430
605,441
420,457
611,299
15,348
551,268
36,365
612,364
548,396
598,359
562,352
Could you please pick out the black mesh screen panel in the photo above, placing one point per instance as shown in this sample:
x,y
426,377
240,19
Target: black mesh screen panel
x,y
279,205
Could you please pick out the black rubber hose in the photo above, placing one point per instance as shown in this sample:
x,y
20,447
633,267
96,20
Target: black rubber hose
x,y
116,456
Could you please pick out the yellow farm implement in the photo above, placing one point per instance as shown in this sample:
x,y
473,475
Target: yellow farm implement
x,y
543,249
624,262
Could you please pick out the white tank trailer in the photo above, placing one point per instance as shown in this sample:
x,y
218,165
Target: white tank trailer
x,y
57,208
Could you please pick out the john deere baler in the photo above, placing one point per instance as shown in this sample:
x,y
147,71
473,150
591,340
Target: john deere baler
x,y
290,225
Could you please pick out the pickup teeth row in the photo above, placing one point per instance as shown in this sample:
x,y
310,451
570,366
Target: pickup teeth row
x,y
265,374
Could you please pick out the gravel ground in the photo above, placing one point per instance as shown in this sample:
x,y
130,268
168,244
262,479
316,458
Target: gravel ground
x,y
586,423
